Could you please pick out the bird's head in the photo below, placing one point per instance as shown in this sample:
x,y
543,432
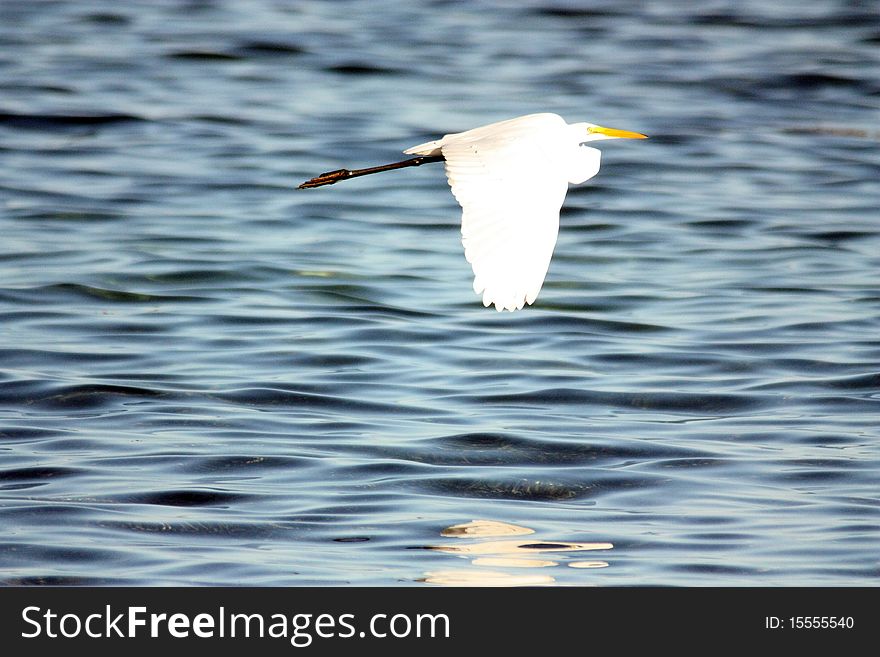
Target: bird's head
x,y
596,132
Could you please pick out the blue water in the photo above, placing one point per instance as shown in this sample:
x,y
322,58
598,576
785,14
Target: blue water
x,y
209,377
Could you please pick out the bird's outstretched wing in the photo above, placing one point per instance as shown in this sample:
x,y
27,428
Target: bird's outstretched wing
x,y
510,191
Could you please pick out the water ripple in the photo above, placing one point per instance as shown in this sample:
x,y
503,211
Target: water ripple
x,y
208,377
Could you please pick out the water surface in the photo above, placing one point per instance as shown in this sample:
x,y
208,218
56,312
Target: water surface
x,y
208,377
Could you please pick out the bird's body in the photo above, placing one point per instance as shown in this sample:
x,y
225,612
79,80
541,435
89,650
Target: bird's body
x,y
510,179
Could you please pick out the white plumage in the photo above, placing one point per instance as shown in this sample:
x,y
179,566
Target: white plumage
x,y
510,179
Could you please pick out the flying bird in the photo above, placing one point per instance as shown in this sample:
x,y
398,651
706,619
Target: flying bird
x,y
510,179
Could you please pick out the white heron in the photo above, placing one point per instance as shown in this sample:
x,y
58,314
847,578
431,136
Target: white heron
x,y
510,179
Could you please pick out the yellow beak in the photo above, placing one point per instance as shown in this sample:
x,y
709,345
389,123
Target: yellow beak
x,y
613,132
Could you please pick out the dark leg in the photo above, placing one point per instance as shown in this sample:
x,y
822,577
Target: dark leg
x,y
344,174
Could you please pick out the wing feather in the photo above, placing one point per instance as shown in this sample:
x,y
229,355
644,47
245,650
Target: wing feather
x,y
510,190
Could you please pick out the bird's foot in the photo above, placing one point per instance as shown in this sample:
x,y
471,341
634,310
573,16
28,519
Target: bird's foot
x,y
326,178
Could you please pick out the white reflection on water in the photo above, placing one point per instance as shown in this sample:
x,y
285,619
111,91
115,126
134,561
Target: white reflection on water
x,y
484,578
506,553
486,528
